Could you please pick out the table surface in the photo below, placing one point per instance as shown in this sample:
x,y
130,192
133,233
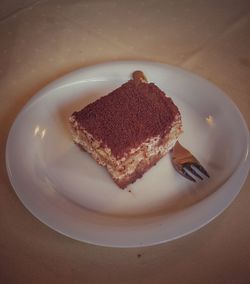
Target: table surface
x,y
42,40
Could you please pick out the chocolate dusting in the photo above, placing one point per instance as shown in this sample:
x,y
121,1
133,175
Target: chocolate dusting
x,y
128,116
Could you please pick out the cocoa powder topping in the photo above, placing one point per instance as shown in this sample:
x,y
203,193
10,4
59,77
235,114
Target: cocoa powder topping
x,y
128,116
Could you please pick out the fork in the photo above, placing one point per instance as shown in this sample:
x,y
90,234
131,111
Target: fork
x,y
186,164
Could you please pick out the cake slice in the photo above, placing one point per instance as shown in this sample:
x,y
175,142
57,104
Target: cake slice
x,y
128,130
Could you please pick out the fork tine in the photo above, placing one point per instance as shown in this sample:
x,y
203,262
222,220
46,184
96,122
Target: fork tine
x,y
189,167
201,169
187,175
182,171
186,164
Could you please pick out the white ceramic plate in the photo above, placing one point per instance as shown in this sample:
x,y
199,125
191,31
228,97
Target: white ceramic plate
x,y
65,189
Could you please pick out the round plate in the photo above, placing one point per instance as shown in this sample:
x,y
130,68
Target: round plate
x,y
67,190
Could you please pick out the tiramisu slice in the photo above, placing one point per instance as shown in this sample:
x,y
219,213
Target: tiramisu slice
x,y
128,130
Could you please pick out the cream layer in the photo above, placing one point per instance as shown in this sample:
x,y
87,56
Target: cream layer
x,y
126,165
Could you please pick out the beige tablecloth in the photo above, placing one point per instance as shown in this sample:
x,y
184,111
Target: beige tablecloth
x,y
42,40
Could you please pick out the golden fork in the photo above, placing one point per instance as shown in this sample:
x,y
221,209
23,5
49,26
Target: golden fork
x,y
186,164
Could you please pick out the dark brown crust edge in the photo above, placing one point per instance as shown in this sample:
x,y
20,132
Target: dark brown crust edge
x,y
142,168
